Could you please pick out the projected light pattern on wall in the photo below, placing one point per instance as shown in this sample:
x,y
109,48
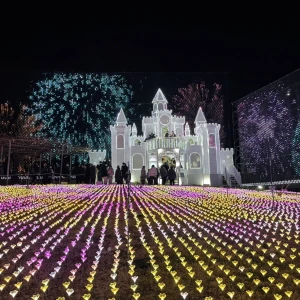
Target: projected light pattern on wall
x,y
78,108
210,98
268,133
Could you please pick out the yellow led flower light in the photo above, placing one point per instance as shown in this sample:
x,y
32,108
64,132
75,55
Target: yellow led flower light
x,y
136,296
162,296
266,289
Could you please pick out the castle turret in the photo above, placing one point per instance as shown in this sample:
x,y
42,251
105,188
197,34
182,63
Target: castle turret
x,y
200,118
133,130
159,101
121,119
201,131
187,131
120,133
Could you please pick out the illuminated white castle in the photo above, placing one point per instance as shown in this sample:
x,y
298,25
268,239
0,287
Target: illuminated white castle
x,y
198,158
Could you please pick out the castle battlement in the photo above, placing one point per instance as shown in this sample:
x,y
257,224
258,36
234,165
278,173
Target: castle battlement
x,y
213,125
227,150
147,119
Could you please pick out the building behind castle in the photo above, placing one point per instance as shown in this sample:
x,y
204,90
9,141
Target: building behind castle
x,y
198,158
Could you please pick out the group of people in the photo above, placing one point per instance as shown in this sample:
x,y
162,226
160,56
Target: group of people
x,y
172,134
165,172
122,174
152,135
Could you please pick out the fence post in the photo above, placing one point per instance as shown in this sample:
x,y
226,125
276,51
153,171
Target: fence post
x,y
8,162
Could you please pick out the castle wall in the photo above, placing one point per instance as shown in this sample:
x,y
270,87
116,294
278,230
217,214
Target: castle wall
x,y
195,170
138,160
226,158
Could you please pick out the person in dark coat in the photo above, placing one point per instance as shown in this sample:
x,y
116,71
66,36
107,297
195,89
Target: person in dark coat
x,y
34,171
45,173
81,174
87,177
163,174
99,167
143,175
93,174
118,176
166,166
104,173
172,175
124,171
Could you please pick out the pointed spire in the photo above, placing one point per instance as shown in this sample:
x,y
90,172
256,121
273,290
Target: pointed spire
x,y
200,118
159,97
133,127
187,131
133,130
121,119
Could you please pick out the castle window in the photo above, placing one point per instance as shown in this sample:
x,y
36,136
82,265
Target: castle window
x,y
212,140
155,107
160,106
191,141
137,161
195,161
120,141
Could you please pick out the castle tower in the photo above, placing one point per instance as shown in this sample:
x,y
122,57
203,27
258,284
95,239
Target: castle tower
x,y
213,131
120,133
201,130
187,131
161,119
159,101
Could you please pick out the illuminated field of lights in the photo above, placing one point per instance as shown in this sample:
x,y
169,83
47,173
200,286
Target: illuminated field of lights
x,y
87,242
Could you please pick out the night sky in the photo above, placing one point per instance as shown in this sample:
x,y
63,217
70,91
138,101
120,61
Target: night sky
x,y
248,60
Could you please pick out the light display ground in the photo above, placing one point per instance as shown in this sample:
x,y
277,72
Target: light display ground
x,y
85,242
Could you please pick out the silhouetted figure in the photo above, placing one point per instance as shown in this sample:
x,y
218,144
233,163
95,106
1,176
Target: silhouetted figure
x,y
172,175
118,176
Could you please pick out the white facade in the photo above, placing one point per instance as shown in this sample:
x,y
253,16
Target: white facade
x,y
198,158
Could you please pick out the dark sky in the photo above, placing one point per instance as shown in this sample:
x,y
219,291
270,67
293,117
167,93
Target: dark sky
x,y
251,59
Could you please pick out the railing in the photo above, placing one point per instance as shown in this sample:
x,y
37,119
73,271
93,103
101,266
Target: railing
x,y
234,172
165,142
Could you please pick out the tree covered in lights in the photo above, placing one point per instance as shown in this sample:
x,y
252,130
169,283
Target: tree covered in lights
x,y
78,108
7,119
190,98
18,122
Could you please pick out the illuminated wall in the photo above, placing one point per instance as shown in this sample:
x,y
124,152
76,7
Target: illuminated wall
x,y
269,131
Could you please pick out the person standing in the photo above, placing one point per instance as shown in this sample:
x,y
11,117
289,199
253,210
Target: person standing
x,y
152,175
143,175
156,178
45,173
118,176
104,173
110,174
93,173
124,171
163,174
172,175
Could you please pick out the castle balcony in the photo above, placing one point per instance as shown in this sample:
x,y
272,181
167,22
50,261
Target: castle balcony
x,y
165,142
